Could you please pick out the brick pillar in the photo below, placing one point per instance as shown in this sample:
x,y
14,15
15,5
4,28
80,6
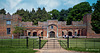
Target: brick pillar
x,y
67,32
31,33
64,33
24,33
27,33
80,32
73,32
40,33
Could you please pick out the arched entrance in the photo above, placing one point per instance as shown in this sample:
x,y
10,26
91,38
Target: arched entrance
x,y
34,33
62,33
69,33
75,33
41,33
29,33
52,34
53,28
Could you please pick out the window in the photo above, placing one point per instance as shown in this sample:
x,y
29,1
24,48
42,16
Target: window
x,y
51,27
8,22
8,30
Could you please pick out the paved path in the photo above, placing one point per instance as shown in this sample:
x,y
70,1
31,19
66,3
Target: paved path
x,y
53,46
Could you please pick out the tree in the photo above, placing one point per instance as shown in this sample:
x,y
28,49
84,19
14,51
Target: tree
x,y
32,15
96,17
33,11
55,14
2,11
19,31
63,14
25,14
78,11
45,15
41,15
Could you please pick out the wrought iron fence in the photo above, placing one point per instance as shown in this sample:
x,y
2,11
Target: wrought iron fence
x,y
34,43
81,43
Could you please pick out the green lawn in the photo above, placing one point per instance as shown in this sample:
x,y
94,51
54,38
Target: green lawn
x,y
81,44
19,45
16,50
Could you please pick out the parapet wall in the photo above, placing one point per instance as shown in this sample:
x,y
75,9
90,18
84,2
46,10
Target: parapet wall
x,y
93,36
77,22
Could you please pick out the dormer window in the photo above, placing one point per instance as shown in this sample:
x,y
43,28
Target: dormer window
x,y
51,27
8,22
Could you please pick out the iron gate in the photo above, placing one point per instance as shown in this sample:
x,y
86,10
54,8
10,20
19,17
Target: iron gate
x,y
52,43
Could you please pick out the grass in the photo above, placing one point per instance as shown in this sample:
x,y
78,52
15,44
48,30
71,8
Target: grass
x,y
19,45
16,50
78,44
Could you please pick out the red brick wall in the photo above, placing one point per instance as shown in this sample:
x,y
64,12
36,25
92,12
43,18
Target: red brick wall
x,y
15,20
84,26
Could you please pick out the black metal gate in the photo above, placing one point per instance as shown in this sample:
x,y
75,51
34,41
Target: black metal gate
x,y
52,43
35,43
64,43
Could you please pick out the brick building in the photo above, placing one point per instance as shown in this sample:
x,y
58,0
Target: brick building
x,y
7,24
47,29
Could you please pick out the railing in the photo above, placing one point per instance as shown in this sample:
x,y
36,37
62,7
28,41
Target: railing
x,y
85,44
22,43
63,43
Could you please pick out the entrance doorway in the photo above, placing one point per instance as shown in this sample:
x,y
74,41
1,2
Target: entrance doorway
x,y
62,33
29,33
42,34
34,33
52,34
69,33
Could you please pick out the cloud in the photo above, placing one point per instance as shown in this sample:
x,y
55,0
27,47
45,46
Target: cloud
x,y
57,4
19,4
42,2
14,3
25,6
70,3
48,4
3,5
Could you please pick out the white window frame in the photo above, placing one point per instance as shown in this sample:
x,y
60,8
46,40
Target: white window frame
x,y
8,22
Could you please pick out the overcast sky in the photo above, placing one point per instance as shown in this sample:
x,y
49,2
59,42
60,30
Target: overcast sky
x,y
12,5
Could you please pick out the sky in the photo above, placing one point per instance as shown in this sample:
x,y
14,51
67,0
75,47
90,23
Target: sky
x,y
12,6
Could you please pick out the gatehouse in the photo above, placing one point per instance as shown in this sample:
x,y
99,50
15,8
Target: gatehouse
x,y
47,29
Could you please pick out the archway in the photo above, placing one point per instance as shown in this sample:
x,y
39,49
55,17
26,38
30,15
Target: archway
x,y
52,34
48,33
29,33
69,33
41,33
34,33
75,33
62,33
